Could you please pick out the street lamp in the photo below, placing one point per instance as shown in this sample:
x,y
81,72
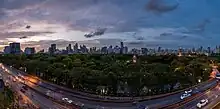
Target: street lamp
x,y
199,80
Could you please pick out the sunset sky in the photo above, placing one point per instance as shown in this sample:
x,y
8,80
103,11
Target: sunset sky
x,y
166,23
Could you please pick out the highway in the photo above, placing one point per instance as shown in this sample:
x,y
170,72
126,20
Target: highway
x,y
98,103
160,103
30,95
213,96
153,104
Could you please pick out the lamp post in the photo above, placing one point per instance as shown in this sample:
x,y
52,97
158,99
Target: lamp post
x,y
199,80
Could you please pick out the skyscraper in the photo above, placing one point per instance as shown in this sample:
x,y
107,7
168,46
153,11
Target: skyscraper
x,y
76,47
52,49
7,50
121,48
15,48
29,50
69,48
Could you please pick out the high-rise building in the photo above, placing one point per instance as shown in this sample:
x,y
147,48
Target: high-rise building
x,y
7,50
110,49
159,49
125,50
121,48
116,49
76,47
52,49
15,48
104,50
69,49
29,50
209,49
144,51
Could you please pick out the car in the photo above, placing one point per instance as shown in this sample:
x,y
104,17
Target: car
x,y
22,90
185,95
67,100
202,103
188,91
14,80
25,87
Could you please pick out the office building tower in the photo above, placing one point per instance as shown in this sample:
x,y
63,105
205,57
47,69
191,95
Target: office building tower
x,y
29,50
15,48
110,49
52,49
159,49
69,49
209,49
76,47
7,50
121,48
104,50
125,50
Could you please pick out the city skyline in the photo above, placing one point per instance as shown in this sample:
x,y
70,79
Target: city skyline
x,y
151,26
15,48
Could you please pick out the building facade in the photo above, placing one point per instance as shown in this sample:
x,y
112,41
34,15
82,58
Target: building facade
x,y
15,48
29,50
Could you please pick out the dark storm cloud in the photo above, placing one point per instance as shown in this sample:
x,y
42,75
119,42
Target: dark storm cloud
x,y
159,6
119,16
201,27
19,34
98,32
17,4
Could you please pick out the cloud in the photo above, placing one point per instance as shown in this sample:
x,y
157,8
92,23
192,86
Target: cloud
x,y
98,32
21,34
70,19
158,6
203,24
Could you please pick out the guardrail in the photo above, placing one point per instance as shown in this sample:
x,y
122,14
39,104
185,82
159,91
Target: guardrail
x,y
51,98
16,93
128,99
216,105
54,100
109,98
177,105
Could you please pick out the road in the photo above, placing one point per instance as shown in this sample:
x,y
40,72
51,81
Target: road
x,y
91,102
212,95
154,104
30,96
160,103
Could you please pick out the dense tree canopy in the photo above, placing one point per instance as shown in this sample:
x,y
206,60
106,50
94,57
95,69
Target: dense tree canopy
x,y
115,74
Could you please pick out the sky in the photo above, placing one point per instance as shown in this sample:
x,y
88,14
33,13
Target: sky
x,y
138,23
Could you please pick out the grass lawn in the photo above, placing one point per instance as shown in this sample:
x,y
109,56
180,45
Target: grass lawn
x,y
6,98
217,106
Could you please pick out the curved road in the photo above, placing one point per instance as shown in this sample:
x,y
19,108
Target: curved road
x,y
78,99
211,95
37,99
